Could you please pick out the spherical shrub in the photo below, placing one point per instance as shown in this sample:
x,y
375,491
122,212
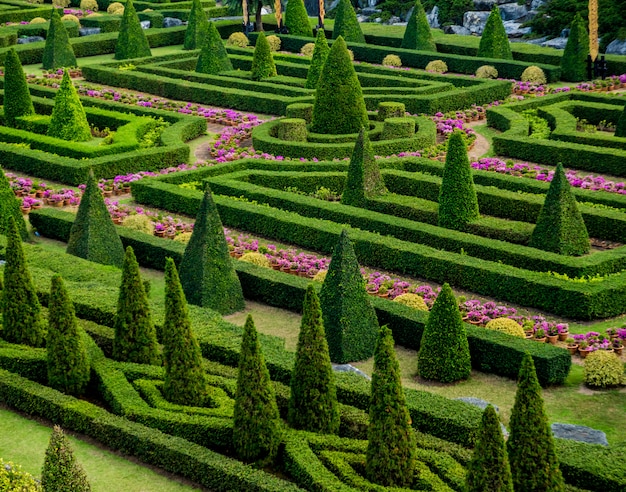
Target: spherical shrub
x,y
534,74
274,42
307,49
183,237
320,276
392,61
61,3
437,66
38,20
237,39
412,300
89,5
487,72
256,259
506,325
70,17
114,8
14,479
603,369
139,222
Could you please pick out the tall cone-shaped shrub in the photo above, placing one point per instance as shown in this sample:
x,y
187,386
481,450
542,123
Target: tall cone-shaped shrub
x,y
68,364
213,58
185,383
313,403
10,207
135,336
574,59
444,352
197,26
364,178
339,105
17,101
206,270
61,471
458,204
560,227
131,40
620,129
93,235
21,312
68,120
257,430
391,448
489,470
417,35
297,19
320,53
263,65
349,318
58,51
346,23
494,42
534,464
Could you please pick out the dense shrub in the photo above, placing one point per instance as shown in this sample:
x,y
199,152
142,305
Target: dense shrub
x,y
620,128
274,42
60,469
346,23
17,101
58,51
320,53
10,207
238,39
437,66
392,61
115,8
574,59
297,19
506,325
213,58
494,42
308,48
487,72
263,65
68,120
70,18
603,369
89,5
139,222
390,109
258,259
417,35
292,129
412,300
533,74
197,28
13,479
131,40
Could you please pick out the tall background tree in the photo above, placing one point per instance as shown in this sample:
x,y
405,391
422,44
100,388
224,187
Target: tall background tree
x,y
574,59
255,8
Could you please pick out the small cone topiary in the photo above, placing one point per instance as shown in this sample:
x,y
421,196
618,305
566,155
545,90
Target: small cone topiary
x,y
560,227
58,52
391,447
620,128
257,428
320,53
131,40
93,235
417,35
297,19
263,65
444,352
213,58
458,203
339,105
364,179
68,120
489,469
574,59
494,42
349,318
60,470
68,364
17,101
346,23
534,464
313,402
10,207
197,26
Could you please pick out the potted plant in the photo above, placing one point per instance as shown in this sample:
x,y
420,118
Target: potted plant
x,y
553,334
159,229
618,346
371,289
572,346
611,333
529,328
563,329
540,335
383,291
584,348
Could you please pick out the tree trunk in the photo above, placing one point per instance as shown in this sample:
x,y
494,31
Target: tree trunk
x,y
259,18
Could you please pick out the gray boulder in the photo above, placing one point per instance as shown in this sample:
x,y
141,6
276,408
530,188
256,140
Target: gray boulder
x,y
89,31
29,39
475,21
482,404
349,368
464,31
512,11
515,29
433,17
616,47
558,43
172,22
535,4
145,24
579,433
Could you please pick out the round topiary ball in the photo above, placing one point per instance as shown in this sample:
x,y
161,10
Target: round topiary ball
x,y
392,61
139,222
258,259
61,3
274,42
412,300
307,49
238,39
603,369
320,276
115,8
506,325
70,17
38,20
534,74
437,66
487,72
89,5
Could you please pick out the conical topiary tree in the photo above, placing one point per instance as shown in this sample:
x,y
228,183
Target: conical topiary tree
x,y
68,120
444,352
620,128
494,42
68,364
197,26
58,52
257,430
60,470
489,470
560,227
21,312
135,336
10,207
213,58
206,270
17,101
297,19
93,235
320,53
346,24
391,448
263,65
349,318
313,403
339,105
574,59
458,204
131,40
534,464
185,383
417,35
364,179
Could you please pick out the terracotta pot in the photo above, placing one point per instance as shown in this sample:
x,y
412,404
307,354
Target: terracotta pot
x,y
540,340
107,193
384,296
39,194
618,351
572,349
584,352
372,292
275,266
552,339
285,269
35,206
66,202
126,189
25,210
57,204
117,220
563,336
475,323
159,233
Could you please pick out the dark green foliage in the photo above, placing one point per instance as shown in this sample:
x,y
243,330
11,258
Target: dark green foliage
x,y
206,270
444,352
185,383
313,402
263,65
451,11
93,235
349,318
68,365
489,470
574,59
346,24
257,428
213,58
560,227
534,464
620,129
17,100
135,335
197,26
21,311
61,472
417,35
339,105
131,41
68,120
320,53
364,179
58,52
10,206
458,204
297,19
494,42
391,447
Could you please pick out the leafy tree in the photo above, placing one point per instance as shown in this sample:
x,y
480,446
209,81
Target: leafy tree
x,y
620,129
254,8
10,206
17,101
417,35
61,472
346,24
574,59
58,51
68,120
263,65
320,53
197,27
450,11
213,57
297,19
131,40
494,42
